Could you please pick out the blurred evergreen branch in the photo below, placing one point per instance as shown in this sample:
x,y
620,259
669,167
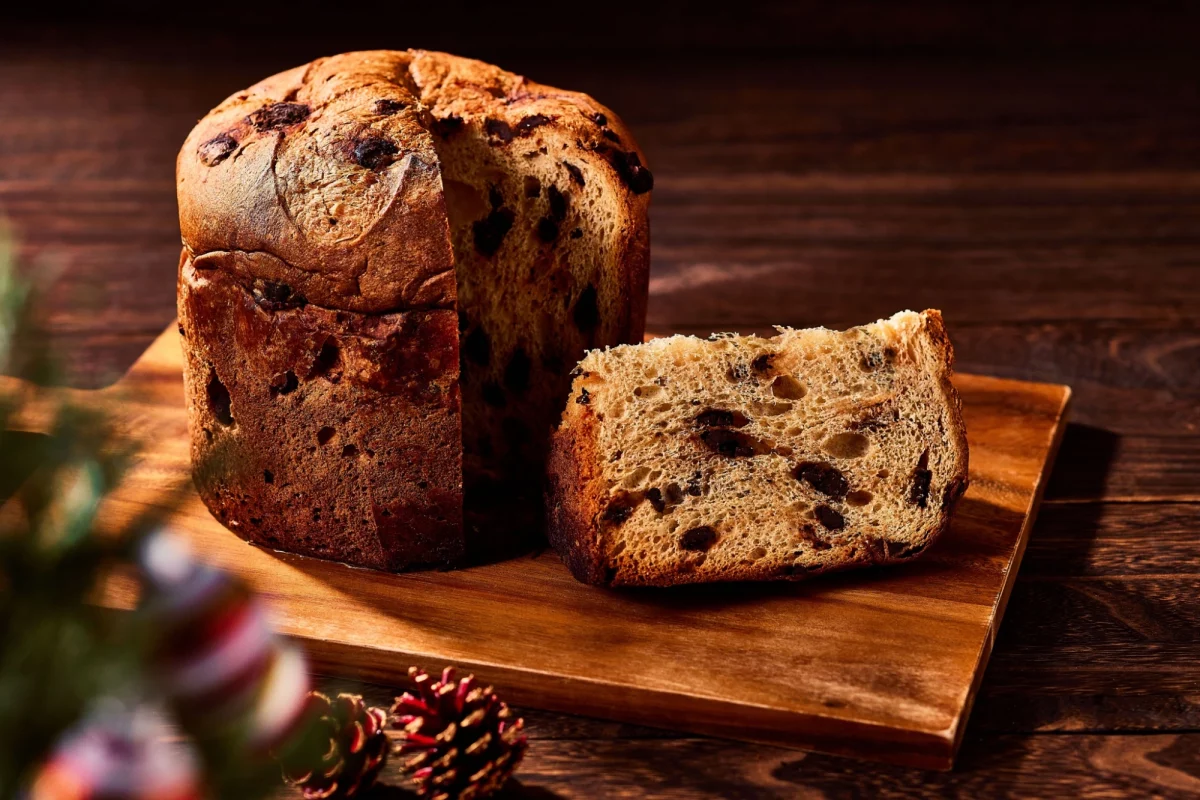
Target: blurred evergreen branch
x,y
60,653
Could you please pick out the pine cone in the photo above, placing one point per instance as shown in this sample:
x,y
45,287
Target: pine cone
x,y
467,742
347,750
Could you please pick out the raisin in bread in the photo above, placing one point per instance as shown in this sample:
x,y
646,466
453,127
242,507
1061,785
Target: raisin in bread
x,y
358,230
744,458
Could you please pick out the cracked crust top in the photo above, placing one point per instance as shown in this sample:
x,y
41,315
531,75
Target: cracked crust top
x,y
325,178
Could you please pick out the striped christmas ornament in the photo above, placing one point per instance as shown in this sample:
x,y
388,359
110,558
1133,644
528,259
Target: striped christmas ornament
x,y
119,754
217,658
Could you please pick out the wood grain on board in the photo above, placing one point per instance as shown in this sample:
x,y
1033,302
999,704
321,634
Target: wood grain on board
x,y
881,663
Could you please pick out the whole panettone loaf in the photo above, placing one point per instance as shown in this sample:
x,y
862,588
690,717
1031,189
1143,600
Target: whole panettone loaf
x,y
742,458
391,262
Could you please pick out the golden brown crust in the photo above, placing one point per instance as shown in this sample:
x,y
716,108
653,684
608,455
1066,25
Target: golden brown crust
x,y
325,433
957,487
573,496
325,179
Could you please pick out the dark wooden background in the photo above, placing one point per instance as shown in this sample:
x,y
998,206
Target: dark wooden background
x,y
1034,172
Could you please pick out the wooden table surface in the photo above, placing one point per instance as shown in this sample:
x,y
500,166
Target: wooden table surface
x,y
1049,206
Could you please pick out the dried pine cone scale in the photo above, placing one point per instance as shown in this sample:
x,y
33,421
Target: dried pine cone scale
x,y
464,742
348,748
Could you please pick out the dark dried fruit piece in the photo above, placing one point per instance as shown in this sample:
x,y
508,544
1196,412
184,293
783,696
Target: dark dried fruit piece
x,y
599,119
447,126
284,384
500,131
276,292
698,540
629,168
325,364
478,347
720,418
278,115
610,134
576,173
558,204
219,401
664,500
387,107
527,124
217,149
825,478
587,313
809,534
830,518
733,444
876,420
374,152
918,490
276,296
620,508
516,374
491,230
584,398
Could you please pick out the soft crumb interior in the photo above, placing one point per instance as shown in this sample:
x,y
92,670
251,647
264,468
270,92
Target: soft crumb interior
x,y
532,227
805,450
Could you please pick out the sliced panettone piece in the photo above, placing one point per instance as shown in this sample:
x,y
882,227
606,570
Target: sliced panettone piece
x,y
685,460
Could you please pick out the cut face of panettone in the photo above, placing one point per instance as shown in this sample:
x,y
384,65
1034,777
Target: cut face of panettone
x,y
743,458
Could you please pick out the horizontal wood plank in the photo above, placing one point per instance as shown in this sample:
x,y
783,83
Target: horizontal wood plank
x,y
571,757
1040,766
883,665
637,761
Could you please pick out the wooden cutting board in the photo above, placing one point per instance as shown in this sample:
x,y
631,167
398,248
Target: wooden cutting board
x,y
881,664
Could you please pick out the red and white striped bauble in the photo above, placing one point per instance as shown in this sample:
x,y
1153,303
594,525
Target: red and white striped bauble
x,y
119,754
224,668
